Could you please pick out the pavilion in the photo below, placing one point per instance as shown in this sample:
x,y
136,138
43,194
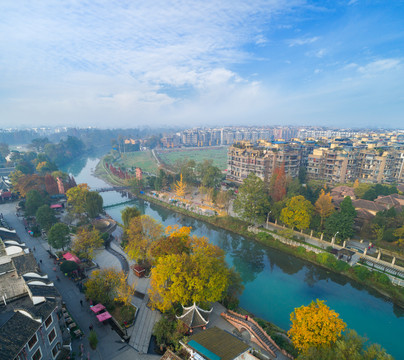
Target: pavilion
x,y
193,316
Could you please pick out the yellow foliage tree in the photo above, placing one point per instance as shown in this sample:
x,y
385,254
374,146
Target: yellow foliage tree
x,y
198,275
180,187
108,286
297,212
85,242
315,325
140,235
324,206
77,197
356,183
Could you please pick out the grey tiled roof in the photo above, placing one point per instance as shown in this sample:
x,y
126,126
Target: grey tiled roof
x,y
25,263
45,291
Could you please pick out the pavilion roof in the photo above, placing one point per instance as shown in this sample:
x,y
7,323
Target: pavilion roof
x,y
193,316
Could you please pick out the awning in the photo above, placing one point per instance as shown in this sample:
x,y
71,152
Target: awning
x,y
104,316
97,308
71,257
56,206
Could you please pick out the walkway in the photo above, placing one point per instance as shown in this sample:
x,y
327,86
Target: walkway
x,y
109,343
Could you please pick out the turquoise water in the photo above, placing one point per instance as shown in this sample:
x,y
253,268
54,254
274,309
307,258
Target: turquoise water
x,y
276,283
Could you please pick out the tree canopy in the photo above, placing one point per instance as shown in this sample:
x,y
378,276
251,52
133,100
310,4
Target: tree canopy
x,y
324,205
94,203
315,325
252,204
128,213
297,212
77,198
342,221
85,242
45,217
34,200
58,236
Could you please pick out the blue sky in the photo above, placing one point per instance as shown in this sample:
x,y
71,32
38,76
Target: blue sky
x,y
192,63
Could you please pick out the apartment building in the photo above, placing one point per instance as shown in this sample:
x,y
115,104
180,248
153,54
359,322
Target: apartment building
x,y
262,159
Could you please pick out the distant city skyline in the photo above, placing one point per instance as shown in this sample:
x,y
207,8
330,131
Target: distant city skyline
x,y
158,63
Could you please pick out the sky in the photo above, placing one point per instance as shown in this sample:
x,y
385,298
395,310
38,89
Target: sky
x,y
201,63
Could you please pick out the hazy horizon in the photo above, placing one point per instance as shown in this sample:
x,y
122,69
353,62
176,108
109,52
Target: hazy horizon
x,y
206,63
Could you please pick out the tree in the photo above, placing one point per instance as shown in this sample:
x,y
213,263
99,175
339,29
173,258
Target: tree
x,y
342,221
34,200
324,206
128,213
315,325
400,234
68,267
209,175
252,203
140,235
51,185
223,199
297,213
93,340
77,198
350,346
200,276
58,236
180,187
85,242
108,286
45,217
94,203
277,186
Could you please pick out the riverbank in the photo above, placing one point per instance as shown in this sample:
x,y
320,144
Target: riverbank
x,y
371,279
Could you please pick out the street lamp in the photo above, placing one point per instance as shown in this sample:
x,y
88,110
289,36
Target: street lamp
x,y
268,217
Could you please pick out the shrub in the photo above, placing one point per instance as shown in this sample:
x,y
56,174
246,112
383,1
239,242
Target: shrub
x,y
68,266
301,250
380,278
264,237
362,273
93,340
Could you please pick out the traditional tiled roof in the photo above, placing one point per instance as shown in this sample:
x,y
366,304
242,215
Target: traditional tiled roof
x,y
391,200
219,342
194,316
368,205
16,328
169,355
43,290
25,263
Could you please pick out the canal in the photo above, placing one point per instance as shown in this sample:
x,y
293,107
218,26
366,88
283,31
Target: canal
x,y
276,283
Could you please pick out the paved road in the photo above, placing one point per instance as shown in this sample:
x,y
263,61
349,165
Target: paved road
x,y
109,345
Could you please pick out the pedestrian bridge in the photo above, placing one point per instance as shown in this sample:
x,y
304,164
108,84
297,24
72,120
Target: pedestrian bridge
x,y
257,333
118,204
112,188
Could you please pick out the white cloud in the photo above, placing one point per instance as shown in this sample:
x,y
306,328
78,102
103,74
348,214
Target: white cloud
x,y
379,66
302,41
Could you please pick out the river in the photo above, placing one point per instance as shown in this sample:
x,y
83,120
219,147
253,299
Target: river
x,y
276,283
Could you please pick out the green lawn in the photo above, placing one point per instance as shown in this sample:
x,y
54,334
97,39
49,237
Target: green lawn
x,y
142,159
218,155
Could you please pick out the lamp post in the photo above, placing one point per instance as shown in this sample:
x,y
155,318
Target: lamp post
x,y
334,238
268,218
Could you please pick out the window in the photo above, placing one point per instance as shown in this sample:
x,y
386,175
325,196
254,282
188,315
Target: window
x,y
48,321
52,336
56,349
32,342
37,355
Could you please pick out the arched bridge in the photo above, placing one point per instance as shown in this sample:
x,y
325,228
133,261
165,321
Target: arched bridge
x,y
258,335
112,188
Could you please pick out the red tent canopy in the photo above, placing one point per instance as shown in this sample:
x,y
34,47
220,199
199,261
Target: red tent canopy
x,y
104,316
56,206
97,308
70,257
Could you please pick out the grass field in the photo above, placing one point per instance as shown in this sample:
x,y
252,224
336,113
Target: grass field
x,y
218,155
142,159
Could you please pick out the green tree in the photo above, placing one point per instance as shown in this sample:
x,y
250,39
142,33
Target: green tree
x,y
252,203
324,206
58,236
209,175
45,217
93,340
128,213
34,200
94,203
297,213
342,221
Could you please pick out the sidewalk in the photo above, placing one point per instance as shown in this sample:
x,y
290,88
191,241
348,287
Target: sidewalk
x,y
109,343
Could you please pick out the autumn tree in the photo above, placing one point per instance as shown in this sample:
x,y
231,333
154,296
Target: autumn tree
x,y
85,242
25,183
200,276
315,325
324,206
140,235
297,213
180,187
128,213
277,185
223,199
77,198
107,286
400,235
58,236
51,185
252,203
45,217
